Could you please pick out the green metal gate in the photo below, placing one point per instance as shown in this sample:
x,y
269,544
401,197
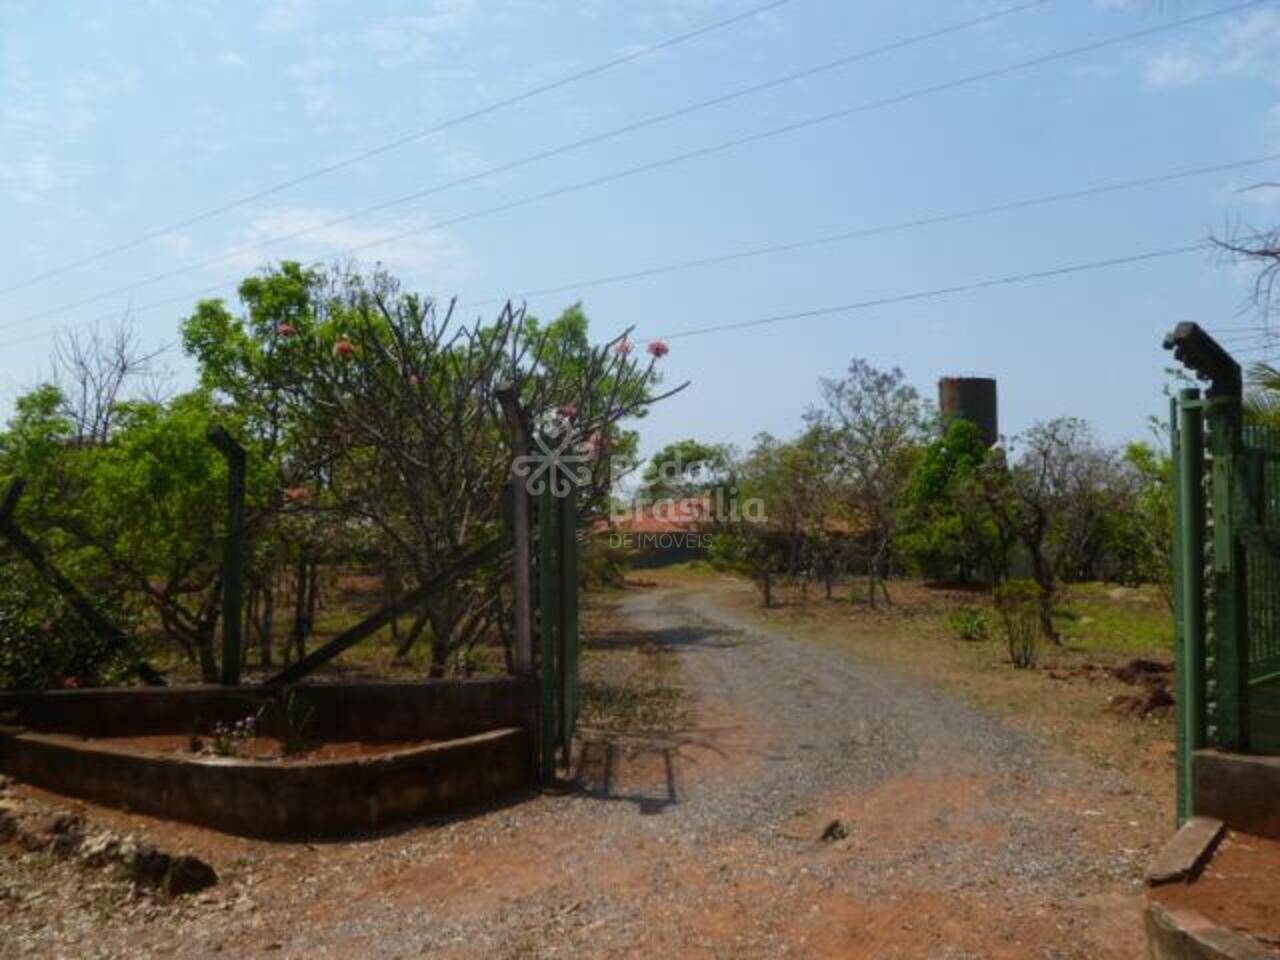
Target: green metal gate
x,y
1226,564
559,639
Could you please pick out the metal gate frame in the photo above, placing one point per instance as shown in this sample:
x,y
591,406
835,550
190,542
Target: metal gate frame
x,y
1226,560
560,642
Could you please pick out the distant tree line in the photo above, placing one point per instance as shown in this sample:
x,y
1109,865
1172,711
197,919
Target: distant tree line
x,y
877,482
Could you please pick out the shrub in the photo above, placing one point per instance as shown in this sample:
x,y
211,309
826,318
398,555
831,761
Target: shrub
x,y
968,623
1018,604
44,644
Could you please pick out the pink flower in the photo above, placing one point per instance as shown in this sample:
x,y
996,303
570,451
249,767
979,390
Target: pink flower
x,y
658,348
569,411
622,347
597,443
297,494
343,348
70,683
287,330
414,380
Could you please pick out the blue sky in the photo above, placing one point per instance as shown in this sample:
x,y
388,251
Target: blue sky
x,y
118,119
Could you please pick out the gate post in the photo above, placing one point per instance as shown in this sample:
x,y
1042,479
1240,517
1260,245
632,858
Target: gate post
x,y
1189,651
548,629
233,563
1226,633
568,576
1230,636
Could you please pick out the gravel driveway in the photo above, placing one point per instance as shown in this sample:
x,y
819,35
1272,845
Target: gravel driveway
x,y
813,805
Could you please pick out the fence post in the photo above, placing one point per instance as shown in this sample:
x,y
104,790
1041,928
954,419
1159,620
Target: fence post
x,y
233,562
1230,645
568,575
549,624
1189,506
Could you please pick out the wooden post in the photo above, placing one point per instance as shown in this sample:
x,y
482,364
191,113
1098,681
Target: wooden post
x,y
233,562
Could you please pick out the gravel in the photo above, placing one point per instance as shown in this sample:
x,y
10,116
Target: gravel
x,y
706,863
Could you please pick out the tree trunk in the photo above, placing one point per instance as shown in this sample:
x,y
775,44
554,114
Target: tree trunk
x,y
1044,579
415,631
302,607
391,589
266,620
204,649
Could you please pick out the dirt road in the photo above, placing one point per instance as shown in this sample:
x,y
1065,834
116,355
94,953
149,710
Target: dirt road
x,y
947,835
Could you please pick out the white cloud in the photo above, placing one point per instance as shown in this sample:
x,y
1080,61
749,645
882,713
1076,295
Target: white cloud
x,y
432,258
315,88
403,39
1174,68
284,16
41,123
229,58
1245,44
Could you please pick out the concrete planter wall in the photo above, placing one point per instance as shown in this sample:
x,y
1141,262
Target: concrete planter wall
x,y
484,753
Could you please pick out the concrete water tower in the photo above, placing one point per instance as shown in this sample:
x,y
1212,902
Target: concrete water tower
x,y
973,398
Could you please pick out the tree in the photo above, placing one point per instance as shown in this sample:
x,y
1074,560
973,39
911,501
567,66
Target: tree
x,y
948,531
1140,532
874,423
684,469
384,405
788,480
140,513
1055,498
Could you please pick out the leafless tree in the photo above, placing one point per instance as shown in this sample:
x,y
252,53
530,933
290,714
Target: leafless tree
x,y
875,422
98,369
1054,497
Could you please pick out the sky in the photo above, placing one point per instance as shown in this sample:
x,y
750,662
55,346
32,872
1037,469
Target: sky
x,y
118,121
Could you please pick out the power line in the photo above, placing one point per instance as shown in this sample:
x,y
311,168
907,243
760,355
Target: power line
x,y
826,239
401,141
933,293
804,124
539,156
880,230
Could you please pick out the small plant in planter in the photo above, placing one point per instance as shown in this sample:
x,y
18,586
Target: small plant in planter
x,y
1018,604
228,739
295,721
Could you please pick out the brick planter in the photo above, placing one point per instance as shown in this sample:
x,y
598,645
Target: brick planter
x,y
482,753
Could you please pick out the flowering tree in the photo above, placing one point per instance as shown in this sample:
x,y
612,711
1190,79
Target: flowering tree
x,y
384,404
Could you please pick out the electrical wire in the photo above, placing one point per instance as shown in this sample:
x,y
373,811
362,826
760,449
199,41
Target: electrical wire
x,y
401,141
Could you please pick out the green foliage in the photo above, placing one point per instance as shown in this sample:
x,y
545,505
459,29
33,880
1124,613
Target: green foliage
x,y
44,644
1139,536
294,723
685,468
968,623
1018,603
948,531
